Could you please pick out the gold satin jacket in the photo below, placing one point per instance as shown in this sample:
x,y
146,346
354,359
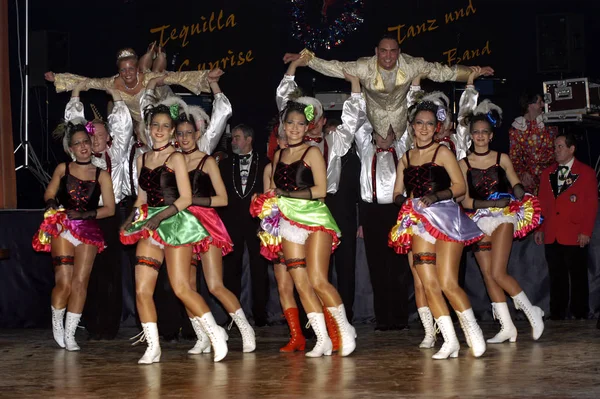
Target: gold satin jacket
x,y
387,108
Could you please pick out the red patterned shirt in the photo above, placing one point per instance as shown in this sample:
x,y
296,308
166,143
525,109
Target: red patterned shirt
x,y
531,149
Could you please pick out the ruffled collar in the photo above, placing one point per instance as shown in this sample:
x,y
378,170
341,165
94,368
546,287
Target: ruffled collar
x,y
520,123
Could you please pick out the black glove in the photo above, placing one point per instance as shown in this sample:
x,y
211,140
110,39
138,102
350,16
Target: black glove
x,y
429,199
202,201
500,203
400,200
76,215
519,191
154,221
129,220
51,204
301,194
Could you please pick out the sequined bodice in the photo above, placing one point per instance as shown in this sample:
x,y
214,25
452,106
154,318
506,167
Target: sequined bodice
x,y
78,195
294,176
483,182
200,181
159,184
425,179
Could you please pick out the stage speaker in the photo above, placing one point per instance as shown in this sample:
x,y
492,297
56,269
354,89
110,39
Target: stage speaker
x,y
560,44
48,51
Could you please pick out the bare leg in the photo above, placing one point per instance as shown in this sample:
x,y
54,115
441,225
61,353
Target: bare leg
x,y
149,260
502,240
448,263
420,296
178,268
84,260
424,260
285,286
295,253
193,281
63,254
212,265
484,255
318,251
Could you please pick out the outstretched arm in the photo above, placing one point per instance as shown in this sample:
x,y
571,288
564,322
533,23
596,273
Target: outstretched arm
x,y
74,108
334,69
221,112
68,81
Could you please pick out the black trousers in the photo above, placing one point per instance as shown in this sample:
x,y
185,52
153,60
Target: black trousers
x,y
103,306
390,272
128,261
243,233
568,268
344,257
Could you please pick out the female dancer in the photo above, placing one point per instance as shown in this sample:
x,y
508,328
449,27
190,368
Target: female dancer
x,y
70,231
164,229
209,192
305,227
285,284
436,228
131,82
498,215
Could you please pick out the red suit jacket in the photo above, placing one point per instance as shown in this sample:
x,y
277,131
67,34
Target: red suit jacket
x,y
571,211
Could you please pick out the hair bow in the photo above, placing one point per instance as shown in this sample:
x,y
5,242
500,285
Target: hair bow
x,y
490,118
90,128
309,112
174,111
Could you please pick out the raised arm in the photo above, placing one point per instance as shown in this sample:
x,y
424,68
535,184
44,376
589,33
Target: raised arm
x,y
221,112
353,117
120,126
194,81
74,108
467,104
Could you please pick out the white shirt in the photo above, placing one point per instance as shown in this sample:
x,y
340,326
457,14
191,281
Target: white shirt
x,y
245,170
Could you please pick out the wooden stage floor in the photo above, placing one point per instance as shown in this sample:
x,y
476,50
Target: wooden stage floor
x,y
564,363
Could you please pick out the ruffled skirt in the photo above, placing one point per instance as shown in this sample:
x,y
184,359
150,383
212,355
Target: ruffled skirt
x,y
525,215
56,223
291,219
443,220
181,229
219,237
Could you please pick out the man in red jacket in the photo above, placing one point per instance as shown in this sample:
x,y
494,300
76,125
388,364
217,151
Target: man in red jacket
x,y
569,198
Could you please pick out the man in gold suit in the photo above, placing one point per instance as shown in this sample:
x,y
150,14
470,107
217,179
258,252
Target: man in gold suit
x,y
385,79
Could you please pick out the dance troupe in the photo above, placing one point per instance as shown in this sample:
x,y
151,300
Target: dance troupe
x,y
165,145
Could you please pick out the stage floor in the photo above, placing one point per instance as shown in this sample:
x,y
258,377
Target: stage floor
x,y
564,363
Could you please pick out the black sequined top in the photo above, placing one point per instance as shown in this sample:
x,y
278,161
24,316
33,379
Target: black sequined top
x,y
425,179
294,176
159,184
200,181
483,182
78,195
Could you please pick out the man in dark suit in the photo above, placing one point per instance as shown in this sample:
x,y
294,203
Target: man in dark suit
x,y
242,173
569,198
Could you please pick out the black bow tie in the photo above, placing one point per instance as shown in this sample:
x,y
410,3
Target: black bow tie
x,y
245,159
